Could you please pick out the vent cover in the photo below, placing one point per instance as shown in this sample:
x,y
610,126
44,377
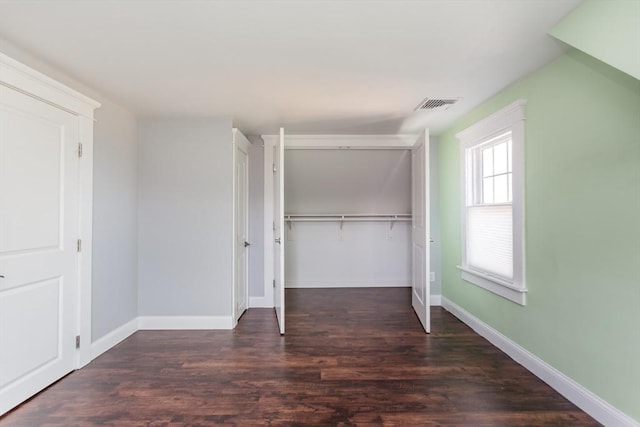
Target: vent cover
x,y
435,104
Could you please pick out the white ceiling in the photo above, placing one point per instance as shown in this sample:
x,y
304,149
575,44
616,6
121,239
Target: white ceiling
x,y
348,66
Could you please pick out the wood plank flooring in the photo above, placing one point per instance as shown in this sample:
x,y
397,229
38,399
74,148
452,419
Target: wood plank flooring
x,y
350,357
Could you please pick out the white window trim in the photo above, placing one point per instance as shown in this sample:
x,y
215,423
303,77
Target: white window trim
x,y
509,118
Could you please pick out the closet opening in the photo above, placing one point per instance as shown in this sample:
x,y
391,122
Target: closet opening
x,y
347,217
348,212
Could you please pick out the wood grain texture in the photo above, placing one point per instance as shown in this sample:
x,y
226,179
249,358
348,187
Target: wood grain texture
x,y
350,357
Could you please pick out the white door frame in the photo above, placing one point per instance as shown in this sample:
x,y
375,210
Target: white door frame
x,y
313,142
268,261
420,231
279,241
22,78
239,141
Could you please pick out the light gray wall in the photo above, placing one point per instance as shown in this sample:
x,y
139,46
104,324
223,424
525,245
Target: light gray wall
x,y
256,217
114,269
361,254
347,181
185,217
115,222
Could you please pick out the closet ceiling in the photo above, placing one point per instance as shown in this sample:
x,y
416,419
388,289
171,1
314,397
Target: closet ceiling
x,y
344,66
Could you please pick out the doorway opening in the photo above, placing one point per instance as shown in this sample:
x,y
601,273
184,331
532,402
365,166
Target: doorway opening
x,y
330,225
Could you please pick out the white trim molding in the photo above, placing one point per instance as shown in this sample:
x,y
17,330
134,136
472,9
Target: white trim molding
x,y
583,398
345,142
144,323
269,145
508,119
85,287
260,302
494,284
338,283
25,79
496,122
184,322
113,338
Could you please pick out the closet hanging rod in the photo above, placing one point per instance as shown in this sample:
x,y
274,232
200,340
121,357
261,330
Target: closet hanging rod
x,y
345,219
347,216
390,218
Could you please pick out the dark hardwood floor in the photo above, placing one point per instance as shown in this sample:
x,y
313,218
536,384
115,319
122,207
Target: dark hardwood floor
x,y
350,357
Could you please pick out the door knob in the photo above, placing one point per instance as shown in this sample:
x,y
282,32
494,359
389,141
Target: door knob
x,y
278,241
247,244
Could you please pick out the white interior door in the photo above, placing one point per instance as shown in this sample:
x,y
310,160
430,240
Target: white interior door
x,y
241,195
420,294
278,229
38,239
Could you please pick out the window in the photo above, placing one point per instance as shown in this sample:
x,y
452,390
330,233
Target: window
x,y
492,163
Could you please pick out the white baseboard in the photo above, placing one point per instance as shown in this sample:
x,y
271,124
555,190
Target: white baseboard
x,y
348,284
184,322
260,302
113,338
263,302
157,323
586,400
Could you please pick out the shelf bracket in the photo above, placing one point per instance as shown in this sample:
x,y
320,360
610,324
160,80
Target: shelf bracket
x,y
392,222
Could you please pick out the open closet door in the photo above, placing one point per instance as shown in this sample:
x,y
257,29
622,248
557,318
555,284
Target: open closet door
x,y
420,298
278,231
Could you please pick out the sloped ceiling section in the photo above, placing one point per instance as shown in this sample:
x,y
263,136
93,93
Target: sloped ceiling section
x,y
607,30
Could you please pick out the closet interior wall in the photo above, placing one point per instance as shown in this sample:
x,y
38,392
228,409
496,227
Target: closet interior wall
x,y
358,245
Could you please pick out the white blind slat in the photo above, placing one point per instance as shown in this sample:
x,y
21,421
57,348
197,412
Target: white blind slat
x,y
490,239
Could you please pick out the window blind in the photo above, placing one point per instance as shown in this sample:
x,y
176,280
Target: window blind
x,y
490,239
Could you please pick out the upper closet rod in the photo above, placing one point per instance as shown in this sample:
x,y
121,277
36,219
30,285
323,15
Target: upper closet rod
x,y
348,218
339,216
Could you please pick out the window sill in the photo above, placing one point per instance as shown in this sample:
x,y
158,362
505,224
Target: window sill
x,y
493,284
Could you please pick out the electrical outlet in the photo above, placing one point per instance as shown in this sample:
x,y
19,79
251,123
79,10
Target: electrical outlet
x,y
432,277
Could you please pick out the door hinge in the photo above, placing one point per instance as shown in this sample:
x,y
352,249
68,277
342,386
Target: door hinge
x,y
79,149
274,283
79,245
77,341
274,168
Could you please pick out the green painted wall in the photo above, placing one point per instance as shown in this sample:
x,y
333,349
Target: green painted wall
x,y
605,29
582,160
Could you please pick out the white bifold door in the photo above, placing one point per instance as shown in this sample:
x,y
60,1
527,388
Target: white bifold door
x,y
420,289
278,229
241,223
38,245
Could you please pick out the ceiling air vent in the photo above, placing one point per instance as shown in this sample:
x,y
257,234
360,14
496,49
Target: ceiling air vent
x,y
435,104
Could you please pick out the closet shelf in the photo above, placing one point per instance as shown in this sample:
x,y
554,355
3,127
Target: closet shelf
x,y
342,218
